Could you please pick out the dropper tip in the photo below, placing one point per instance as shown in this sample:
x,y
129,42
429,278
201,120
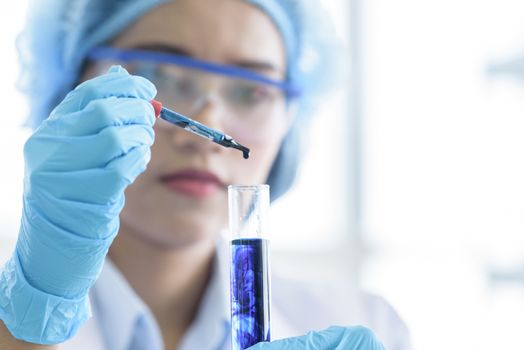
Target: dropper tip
x,y
245,151
229,142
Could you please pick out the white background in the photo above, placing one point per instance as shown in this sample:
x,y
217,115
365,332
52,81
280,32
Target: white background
x,y
13,111
443,170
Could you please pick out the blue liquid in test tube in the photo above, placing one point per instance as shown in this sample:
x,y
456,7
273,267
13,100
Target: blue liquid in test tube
x,y
250,275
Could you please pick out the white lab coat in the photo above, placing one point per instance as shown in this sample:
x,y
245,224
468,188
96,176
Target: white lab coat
x,y
121,318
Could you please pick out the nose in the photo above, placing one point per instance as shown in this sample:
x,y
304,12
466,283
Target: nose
x,y
208,112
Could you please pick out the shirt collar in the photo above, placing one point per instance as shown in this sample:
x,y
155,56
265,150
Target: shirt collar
x,y
121,311
213,316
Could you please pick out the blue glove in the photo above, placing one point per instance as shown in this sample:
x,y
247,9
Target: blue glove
x,y
333,338
77,166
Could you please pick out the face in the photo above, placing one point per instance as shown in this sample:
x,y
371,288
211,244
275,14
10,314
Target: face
x,y
182,196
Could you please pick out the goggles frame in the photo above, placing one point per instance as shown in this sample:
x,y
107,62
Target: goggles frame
x,y
127,55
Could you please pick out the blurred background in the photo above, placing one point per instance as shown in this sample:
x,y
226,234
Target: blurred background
x,y
414,184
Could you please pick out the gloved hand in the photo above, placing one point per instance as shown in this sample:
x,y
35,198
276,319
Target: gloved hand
x,y
77,166
333,338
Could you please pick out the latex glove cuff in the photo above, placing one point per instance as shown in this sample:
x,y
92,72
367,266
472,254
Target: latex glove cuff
x,y
34,316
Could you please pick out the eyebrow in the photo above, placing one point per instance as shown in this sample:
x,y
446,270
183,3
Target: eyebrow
x,y
257,65
162,48
176,50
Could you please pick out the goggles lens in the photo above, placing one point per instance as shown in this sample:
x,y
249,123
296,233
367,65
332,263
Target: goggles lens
x,y
252,103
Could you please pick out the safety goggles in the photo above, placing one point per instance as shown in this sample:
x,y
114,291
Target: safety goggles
x,y
186,84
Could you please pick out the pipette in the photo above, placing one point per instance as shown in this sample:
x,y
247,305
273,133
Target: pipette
x,y
197,128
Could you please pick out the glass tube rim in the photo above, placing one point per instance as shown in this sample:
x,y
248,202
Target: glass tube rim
x,y
248,187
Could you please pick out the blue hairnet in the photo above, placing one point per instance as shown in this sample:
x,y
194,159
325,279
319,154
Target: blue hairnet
x,y
59,34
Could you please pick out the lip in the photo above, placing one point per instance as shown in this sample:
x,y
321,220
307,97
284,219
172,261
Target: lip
x,y
195,183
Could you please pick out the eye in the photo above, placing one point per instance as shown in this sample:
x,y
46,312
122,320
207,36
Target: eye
x,y
248,95
184,87
150,71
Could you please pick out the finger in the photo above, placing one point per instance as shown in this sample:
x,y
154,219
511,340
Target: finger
x,y
102,186
61,154
128,167
58,217
333,338
357,338
117,82
282,344
101,113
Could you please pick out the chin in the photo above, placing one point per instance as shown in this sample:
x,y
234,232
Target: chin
x,y
179,232
174,242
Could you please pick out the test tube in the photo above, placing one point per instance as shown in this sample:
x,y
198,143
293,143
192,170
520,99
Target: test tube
x,y
250,294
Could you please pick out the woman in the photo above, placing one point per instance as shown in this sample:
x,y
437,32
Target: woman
x,y
237,66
